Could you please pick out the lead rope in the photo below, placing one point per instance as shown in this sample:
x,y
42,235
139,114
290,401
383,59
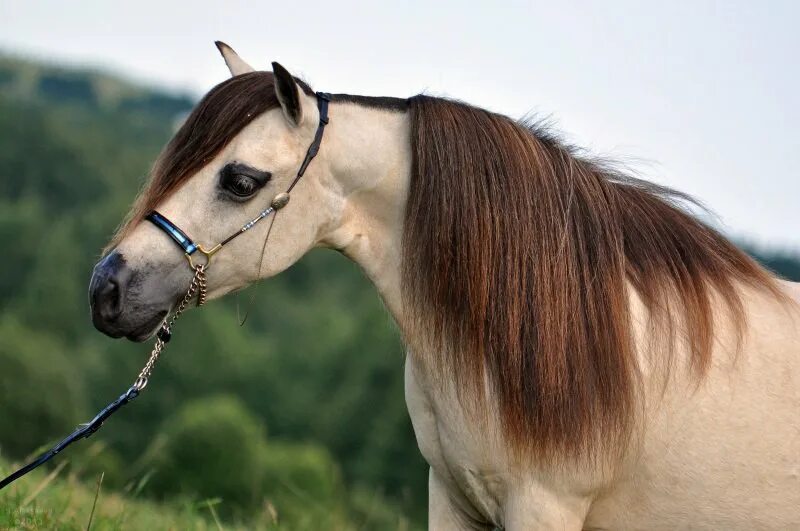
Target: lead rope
x,y
196,287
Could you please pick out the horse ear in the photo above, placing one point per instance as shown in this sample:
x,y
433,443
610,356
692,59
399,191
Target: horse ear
x,y
288,94
236,64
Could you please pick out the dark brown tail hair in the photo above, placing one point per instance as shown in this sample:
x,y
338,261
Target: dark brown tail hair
x,y
517,259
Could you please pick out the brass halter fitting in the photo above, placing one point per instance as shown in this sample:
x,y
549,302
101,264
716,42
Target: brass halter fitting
x,y
280,200
207,253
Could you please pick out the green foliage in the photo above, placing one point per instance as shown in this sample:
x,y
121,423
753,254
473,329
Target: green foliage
x,y
301,482
58,500
41,391
52,184
211,447
19,223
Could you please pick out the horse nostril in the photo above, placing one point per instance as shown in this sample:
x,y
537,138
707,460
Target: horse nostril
x,y
108,285
110,299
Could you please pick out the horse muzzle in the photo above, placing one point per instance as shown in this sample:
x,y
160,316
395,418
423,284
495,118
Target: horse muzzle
x,y
115,301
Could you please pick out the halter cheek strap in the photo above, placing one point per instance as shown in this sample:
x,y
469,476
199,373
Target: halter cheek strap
x,y
278,202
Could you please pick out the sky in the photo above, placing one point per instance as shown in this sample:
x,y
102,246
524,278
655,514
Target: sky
x,y
698,95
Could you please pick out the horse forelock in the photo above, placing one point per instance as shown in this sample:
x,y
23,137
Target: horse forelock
x,y
518,256
213,123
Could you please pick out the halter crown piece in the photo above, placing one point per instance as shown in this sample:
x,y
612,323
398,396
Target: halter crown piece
x,y
197,287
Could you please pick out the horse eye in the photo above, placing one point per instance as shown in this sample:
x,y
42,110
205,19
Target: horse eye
x,y
241,185
241,181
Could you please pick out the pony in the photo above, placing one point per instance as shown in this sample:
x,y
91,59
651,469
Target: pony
x,y
583,353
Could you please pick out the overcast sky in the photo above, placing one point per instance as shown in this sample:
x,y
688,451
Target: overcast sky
x,y
702,96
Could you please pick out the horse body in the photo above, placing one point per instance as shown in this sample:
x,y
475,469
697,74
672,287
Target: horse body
x,y
721,455
710,437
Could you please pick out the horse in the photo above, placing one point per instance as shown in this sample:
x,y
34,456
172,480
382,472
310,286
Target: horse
x,y
582,352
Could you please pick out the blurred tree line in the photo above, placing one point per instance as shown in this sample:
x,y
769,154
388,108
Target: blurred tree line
x,y
299,413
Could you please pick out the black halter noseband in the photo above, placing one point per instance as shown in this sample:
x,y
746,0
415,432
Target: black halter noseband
x,y
197,287
278,202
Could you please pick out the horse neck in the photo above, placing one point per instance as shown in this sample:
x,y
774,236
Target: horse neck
x,y
370,160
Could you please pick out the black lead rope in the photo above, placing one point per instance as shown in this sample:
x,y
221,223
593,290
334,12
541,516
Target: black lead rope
x,y
83,432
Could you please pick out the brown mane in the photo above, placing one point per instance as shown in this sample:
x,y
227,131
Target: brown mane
x,y
517,254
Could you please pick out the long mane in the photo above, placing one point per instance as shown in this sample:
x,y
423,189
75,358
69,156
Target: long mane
x,y
517,264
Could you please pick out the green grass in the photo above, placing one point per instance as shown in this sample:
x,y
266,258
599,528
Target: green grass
x,y
56,499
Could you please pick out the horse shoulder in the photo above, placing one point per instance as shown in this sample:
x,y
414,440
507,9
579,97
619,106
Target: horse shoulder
x,y
475,484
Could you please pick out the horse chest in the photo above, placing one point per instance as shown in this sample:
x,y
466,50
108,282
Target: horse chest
x,y
467,460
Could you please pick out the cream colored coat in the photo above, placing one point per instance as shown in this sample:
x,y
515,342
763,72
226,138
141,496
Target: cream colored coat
x,y
724,454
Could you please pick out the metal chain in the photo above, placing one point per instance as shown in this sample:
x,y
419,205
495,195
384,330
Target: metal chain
x,y
196,287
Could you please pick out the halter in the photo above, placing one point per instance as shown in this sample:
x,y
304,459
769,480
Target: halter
x,y
196,287
277,203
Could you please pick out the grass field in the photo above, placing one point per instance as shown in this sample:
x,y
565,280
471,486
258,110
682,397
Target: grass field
x,y
56,499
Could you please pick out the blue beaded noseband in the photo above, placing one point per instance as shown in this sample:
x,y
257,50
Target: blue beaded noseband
x,y
277,203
